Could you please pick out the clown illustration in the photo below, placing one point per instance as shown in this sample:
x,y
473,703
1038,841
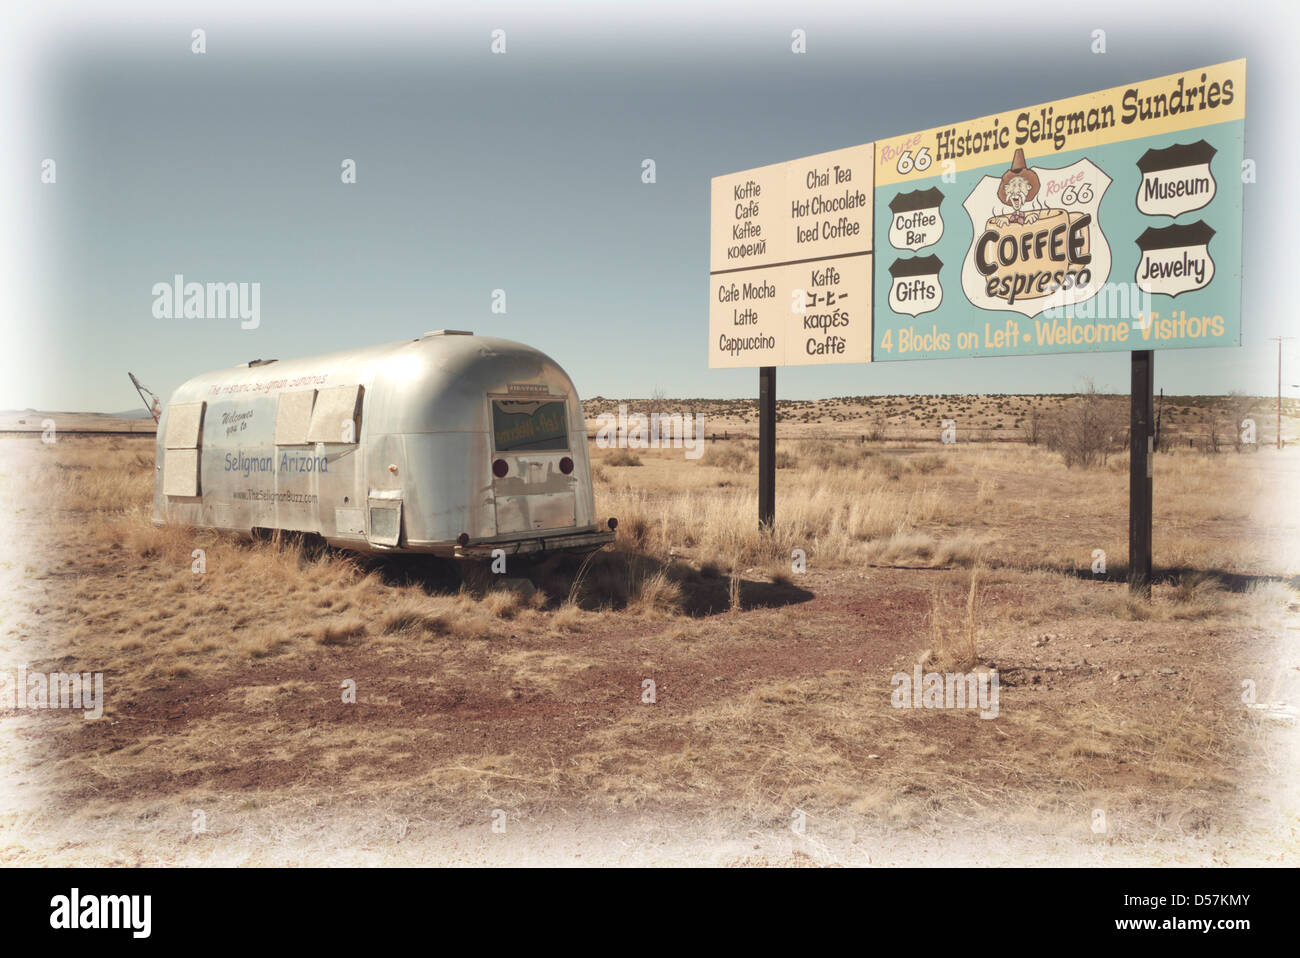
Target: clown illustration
x,y
1036,241
1019,188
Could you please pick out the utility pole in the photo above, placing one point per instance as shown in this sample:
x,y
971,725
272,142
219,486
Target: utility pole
x,y
766,447
1278,340
1140,485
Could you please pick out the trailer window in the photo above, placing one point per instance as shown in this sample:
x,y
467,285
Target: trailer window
x,y
293,417
181,445
184,425
337,415
529,424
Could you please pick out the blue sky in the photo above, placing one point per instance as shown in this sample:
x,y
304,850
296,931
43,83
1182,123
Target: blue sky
x,y
522,172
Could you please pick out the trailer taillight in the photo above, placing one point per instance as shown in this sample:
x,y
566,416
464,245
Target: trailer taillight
x,y
500,468
462,540
566,465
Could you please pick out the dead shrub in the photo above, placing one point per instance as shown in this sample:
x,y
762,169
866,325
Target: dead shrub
x,y
1088,429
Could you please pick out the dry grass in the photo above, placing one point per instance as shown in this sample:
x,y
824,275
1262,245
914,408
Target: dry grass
x,y
953,645
256,644
732,457
851,515
827,743
848,505
622,457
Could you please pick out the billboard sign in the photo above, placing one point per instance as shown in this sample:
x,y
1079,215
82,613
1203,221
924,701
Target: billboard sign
x,y
1105,222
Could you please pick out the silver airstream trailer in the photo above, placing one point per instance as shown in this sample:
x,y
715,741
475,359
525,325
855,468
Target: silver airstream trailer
x,y
451,444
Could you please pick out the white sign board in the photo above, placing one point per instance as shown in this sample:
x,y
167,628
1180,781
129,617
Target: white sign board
x,y
790,262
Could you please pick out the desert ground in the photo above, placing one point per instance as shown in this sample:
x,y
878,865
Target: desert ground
x,y
508,720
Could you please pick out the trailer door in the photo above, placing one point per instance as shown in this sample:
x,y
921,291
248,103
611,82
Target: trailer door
x,y
182,444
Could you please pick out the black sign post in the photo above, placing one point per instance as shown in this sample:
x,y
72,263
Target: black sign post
x,y
1141,454
766,446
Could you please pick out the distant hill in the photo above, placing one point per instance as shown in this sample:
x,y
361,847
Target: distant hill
x,y
32,420
985,417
